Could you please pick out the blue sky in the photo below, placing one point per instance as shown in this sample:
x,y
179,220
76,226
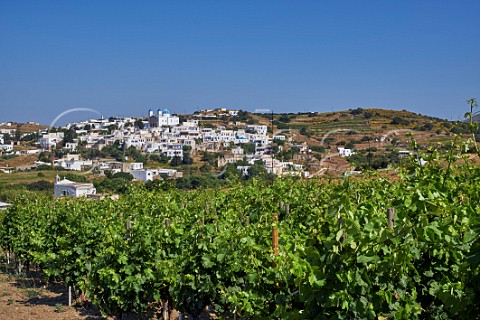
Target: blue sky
x,y
124,57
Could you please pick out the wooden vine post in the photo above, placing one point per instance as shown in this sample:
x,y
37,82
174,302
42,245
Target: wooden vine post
x,y
340,226
128,226
275,234
390,217
165,315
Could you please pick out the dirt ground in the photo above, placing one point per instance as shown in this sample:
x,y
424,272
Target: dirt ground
x,y
26,298
29,298
19,161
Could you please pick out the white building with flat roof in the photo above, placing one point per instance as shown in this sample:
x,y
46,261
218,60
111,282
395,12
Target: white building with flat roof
x,y
6,147
345,152
142,175
67,188
76,165
50,139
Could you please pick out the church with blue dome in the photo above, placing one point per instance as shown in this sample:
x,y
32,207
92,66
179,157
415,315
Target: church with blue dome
x,y
162,119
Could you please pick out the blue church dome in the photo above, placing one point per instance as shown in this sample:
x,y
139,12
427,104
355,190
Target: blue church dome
x,y
165,111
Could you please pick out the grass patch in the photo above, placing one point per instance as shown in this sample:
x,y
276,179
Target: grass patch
x,y
32,293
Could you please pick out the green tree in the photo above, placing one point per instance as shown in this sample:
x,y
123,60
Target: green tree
x,y
248,148
400,121
123,175
304,131
7,138
69,135
210,158
357,111
41,185
427,126
139,124
187,159
205,167
349,145
44,167
30,137
257,170
75,177
284,118
136,154
317,149
109,174
242,116
111,128
18,134
176,161
288,154
159,158
230,172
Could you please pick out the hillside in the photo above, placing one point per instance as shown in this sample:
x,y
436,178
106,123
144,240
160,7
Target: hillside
x,y
362,121
25,127
376,132
17,161
375,135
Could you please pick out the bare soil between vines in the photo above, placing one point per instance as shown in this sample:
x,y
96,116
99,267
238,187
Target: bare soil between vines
x,y
27,297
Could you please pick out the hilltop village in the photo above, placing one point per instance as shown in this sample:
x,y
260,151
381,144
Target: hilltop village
x,y
218,143
115,145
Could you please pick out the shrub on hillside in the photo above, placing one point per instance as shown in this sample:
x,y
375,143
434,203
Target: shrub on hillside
x,y
40,186
400,121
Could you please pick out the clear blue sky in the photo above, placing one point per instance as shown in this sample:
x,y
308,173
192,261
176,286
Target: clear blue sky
x,y
124,57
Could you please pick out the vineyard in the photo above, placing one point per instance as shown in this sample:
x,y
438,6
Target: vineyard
x,y
364,247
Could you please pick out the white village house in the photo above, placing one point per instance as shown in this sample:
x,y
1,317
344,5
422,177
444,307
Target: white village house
x,y
50,140
342,152
69,188
72,164
150,174
6,147
142,174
